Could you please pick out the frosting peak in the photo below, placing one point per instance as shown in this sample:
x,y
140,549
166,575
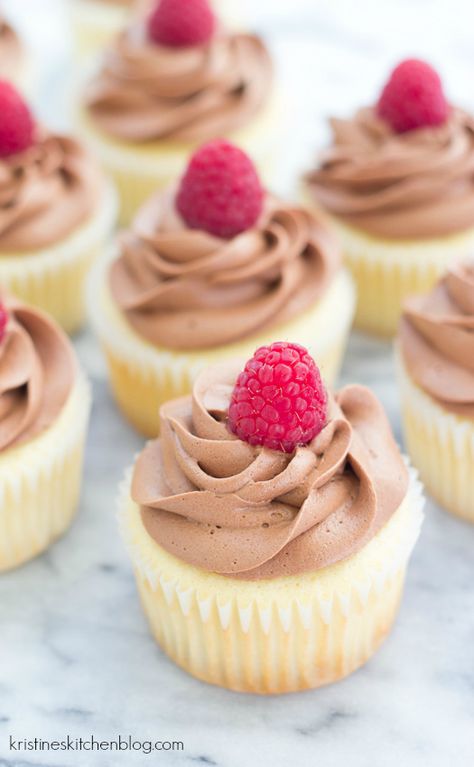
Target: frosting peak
x,y
437,340
185,289
37,370
235,509
147,92
399,185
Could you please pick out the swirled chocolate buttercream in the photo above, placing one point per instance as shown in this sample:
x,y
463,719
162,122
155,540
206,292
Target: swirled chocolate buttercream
x,y
437,340
228,507
146,92
37,372
185,289
417,184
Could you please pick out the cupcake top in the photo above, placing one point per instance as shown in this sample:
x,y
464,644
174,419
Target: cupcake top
x,y
188,288
37,372
404,168
11,50
235,505
49,185
437,340
201,82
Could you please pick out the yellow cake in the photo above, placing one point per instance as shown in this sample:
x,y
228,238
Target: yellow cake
x,y
150,102
45,409
385,272
15,62
95,22
435,353
139,170
399,193
53,278
57,213
232,295
261,630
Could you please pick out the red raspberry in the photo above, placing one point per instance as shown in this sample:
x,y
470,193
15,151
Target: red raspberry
x,y
180,23
3,321
413,97
220,191
279,400
17,127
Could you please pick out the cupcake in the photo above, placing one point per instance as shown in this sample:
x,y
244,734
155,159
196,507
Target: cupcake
x,y
271,525
436,371
208,271
14,65
56,213
398,186
168,83
95,22
44,409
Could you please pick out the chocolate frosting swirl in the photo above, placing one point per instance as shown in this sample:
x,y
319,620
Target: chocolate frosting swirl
x,y
437,340
185,289
228,507
146,92
37,372
46,192
11,50
412,185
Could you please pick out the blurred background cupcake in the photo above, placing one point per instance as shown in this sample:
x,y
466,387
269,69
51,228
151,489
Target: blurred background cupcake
x,y
209,271
436,371
271,525
44,410
398,186
96,22
56,213
15,64
171,80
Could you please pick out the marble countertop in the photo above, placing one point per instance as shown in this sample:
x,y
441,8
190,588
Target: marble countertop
x,y
76,656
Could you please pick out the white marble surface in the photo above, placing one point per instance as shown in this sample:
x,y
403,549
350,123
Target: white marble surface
x,y
75,654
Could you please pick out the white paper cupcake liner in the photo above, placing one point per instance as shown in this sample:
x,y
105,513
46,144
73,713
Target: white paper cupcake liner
x,y
441,446
53,279
278,635
386,271
40,482
94,25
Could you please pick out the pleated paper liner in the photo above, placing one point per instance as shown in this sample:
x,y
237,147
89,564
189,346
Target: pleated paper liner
x,y
386,273
143,376
53,279
40,483
279,635
441,446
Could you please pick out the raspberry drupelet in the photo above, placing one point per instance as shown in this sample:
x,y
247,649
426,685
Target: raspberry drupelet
x,y
220,191
413,97
181,23
3,321
17,126
279,400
